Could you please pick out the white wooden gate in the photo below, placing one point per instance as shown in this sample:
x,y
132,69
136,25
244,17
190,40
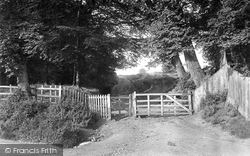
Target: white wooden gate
x,y
162,104
100,104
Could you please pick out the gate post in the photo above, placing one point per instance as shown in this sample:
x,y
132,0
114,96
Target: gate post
x,y
109,107
134,104
130,105
190,102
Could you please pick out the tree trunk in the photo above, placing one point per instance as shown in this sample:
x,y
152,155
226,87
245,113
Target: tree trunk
x,y
179,67
23,80
1,77
194,67
76,74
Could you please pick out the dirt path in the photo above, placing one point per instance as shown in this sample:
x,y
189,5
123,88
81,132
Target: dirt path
x,y
189,136
163,136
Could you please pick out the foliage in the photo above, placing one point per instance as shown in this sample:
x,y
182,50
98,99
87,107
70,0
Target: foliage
x,y
174,26
228,31
67,38
154,83
58,123
217,112
184,85
213,100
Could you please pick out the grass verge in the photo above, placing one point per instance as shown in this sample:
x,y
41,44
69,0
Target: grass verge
x,y
216,111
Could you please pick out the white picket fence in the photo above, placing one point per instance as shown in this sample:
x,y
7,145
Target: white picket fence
x,y
53,93
100,104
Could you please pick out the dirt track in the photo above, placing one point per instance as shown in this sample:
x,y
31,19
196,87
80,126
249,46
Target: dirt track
x,y
185,136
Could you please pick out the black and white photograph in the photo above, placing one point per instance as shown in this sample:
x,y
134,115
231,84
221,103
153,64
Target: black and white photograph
x,y
124,77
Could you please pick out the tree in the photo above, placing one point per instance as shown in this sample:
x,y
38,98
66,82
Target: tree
x,y
174,28
61,33
20,38
228,31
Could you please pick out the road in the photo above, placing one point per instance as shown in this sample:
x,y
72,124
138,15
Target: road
x,y
162,136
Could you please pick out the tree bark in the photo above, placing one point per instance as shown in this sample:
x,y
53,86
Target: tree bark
x,y
2,77
194,67
182,74
23,80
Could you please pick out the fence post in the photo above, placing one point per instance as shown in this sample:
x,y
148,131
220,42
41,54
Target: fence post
x,y
130,105
60,93
134,105
162,108
10,89
109,107
148,102
190,102
175,105
41,92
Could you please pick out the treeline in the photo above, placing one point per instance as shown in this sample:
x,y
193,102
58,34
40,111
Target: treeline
x,y
78,42
220,27
81,42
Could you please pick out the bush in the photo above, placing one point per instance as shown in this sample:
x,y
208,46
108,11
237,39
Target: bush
x,y
59,123
216,112
184,85
212,103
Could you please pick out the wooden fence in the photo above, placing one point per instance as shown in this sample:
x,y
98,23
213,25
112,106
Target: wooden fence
x,y
226,79
100,104
162,104
50,93
53,93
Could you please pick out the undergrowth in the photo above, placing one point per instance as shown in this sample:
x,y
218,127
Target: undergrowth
x,y
216,111
54,123
184,85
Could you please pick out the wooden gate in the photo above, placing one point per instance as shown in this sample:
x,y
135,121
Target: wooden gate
x,y
162,104
121,105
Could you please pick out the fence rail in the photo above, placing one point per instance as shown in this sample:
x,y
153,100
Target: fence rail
x,y
50,93
135,104
162,104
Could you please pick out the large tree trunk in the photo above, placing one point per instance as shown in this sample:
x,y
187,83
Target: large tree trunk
x,y
23,80
2,80
194,67
182,74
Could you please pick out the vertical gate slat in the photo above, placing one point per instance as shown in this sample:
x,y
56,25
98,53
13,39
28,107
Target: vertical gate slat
x,y
162,109
148,102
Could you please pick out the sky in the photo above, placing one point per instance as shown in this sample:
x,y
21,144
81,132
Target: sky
x,y
143,62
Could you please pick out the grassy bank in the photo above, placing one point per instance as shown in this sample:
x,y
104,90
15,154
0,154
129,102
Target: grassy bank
x,y
217,111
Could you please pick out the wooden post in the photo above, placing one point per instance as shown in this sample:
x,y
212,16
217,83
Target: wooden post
x,y
60,93
148,99
190,102
41,92
109,108
162,107
10,89
50,93
175,106
134,105
130,105
90,103
119,103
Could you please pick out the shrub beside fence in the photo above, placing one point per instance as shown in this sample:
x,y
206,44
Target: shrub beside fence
x,y
226,79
